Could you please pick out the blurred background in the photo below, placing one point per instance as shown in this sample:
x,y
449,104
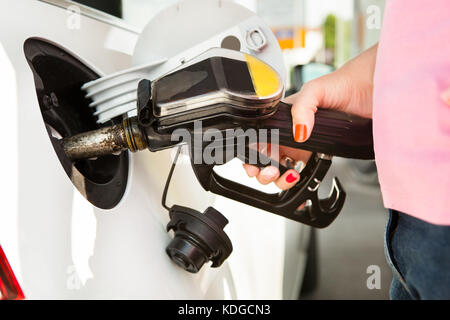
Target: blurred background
x,y
318,36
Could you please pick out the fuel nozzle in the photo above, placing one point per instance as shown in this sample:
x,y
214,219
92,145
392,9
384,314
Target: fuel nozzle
x,y
105,141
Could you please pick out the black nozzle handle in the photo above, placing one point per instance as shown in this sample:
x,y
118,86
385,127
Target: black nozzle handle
x,y
334,133
319,214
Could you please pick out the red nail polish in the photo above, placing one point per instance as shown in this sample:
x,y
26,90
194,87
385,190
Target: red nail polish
x,y
291,178
300,132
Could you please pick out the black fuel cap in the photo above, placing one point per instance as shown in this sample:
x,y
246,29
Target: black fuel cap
x,y
198,238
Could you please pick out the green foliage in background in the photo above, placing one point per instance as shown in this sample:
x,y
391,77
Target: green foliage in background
x,y
329,31
343,42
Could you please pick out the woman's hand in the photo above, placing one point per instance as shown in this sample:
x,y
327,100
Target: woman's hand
x,y
272,174
348,89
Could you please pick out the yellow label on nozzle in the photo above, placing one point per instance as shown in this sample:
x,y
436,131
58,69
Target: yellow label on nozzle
x,y
265,80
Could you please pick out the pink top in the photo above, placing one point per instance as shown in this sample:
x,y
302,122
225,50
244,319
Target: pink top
x,y
411,122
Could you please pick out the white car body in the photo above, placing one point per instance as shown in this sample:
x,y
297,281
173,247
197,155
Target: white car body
x,y
60,246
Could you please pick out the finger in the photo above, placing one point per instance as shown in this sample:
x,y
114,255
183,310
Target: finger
x,y
288,179
252,171
446,96
268,174
303,110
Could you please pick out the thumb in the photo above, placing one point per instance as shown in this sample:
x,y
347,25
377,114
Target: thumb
x,y
304,107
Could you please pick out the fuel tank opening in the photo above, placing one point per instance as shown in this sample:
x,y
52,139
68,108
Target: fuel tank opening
x,y
58,77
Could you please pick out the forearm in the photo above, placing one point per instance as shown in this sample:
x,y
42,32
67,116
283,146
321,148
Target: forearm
x,y
363,66
350,87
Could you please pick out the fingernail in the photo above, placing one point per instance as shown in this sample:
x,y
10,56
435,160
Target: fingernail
x,y
300,133
248,172
269,172
291,178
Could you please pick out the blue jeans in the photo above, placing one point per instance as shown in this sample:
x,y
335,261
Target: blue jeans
x,y
419,256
